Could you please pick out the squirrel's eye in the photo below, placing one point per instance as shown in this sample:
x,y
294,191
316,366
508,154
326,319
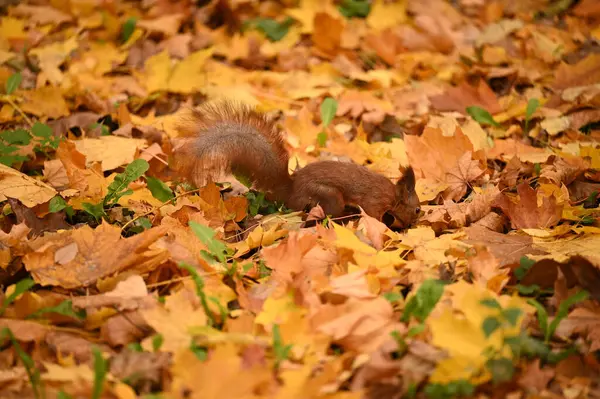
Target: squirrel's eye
x,y
417,210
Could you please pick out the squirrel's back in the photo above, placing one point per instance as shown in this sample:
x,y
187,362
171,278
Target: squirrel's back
x,y
226,137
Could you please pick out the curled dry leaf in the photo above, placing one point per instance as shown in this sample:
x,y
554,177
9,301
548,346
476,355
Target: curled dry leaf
x,y
526,213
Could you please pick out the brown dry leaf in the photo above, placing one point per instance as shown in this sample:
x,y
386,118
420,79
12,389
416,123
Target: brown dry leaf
x,y
526,213
25,330
38,225
287,258
509,148
585,72
506,247
56,175
167,24
460,177
584,320
447,160
142,367
42,15
534,378
90,183
459,98
486,270
357,103
29,191
327,34
357,325
77,258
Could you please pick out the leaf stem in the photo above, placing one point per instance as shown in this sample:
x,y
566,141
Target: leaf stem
x,y
19,110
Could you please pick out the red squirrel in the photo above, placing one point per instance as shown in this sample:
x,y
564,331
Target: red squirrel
x,y
226,137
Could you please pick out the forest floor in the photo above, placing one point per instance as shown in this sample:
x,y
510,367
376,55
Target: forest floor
x,y
121,280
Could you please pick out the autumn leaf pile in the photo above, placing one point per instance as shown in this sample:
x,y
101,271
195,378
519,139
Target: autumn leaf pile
x,y
120,280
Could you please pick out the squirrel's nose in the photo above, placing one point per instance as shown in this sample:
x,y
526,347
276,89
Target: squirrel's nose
x,y
418,210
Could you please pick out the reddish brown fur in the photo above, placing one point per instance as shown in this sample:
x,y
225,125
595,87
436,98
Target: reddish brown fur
x,y
226,137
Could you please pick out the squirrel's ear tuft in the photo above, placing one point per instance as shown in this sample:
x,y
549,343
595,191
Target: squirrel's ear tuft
x,y
408,180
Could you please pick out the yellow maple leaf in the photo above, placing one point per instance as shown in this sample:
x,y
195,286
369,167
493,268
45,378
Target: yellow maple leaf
x,y
174,320
387,15
277,310
51,57
100,59
222,375
188,75
460,331
156,72
12,28
47,101
110,151
305,14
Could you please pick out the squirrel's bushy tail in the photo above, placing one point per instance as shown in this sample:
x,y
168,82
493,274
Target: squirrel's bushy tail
x,y
227,137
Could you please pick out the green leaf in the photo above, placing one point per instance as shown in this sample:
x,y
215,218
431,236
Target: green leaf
x,y
57,204
533,289
200,291
422,303
482,116
10,160
32,371
274,30
63,395
41,130
17,136
532,105
159,189
207,236
563,309
490,303
21,287
118,188
13,82
322,139
329,107
200,352
145,223
94,210
415,330
502,369
542,318
280,350
100,368
64,308
354,8
135,347
157,342
489,325
512,315
524,265
392,297
128,28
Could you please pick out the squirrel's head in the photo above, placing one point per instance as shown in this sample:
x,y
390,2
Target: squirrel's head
x,y
406,206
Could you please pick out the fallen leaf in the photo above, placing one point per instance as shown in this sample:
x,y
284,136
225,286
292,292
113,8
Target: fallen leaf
x,y
27,190
526,213
100,253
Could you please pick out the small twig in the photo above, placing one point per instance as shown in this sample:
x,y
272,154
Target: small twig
x,y
151,211
19,110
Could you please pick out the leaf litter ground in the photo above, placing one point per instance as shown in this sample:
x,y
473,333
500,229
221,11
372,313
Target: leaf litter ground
x,y
120,281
